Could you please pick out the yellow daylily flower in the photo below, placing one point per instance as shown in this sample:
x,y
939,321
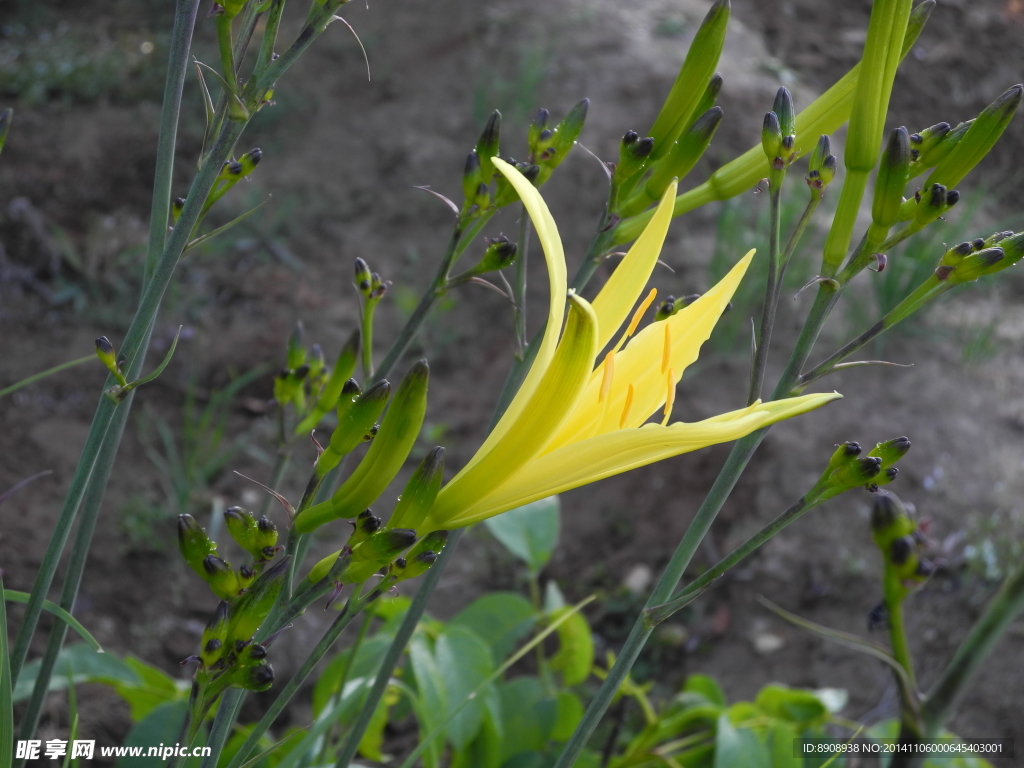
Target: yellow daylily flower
x,y
576,418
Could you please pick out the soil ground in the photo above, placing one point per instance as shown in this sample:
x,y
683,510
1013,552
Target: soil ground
x,y
341,156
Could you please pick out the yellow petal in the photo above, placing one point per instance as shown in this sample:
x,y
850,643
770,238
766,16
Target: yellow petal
x,y
610,454
553,400
645,356
615,300
551,244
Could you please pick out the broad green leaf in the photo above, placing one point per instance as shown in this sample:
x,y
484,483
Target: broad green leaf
x,y
530,759
161,726
781,736
569,714
797,706
529,532
372,744
575,655
6,698
736,747
527,717
86,665
155,687
464,660
705,686
500,618
431,704
485,749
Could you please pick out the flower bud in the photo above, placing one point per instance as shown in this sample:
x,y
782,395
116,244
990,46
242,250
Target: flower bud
x,y
854,473
923,144
500,253
258,678
420,492
356,416
821,166
365,525
537,126
889,184
242,527
250,611
901,549
844,454
384,546
786,113
194,544
933,203
634,153
214,636
421,556
221,578
488,146
977,265
771,137
472,179
296,352
884,477
955,255
551,146
891,451
363,277
177,206
707,101
107,355
250,160
681,158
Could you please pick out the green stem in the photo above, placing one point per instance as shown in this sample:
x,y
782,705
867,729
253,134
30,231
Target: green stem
x,y
134,348
898,637
227,53
43,374
269,37
801,227
986,632
394,653
366,329
776,267
845,219
461,237
352,607
519,294
660,613
223,725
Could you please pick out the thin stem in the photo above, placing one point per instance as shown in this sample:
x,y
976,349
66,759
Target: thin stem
x,y
898,637
801,226
223,724
776,267
662,612
134,348
986,632
366,329
352,607
269,37
387,665
519,295
43,374
227,53
460,239
281,461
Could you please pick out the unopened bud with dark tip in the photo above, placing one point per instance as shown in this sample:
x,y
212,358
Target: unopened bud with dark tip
x,y
952,198
784,109
363,276
633,155
977,265
256,678
356,416
488,145
250,611
819,170
537,125
683,155
665,309
844,454
384,546
892,450
901,549
889,184
566,133
242,526
472,178
250,160
707,100
420,492
931,206
296,350
856,472
214,635
922,144
499,254
366,524
978,243
246,575
177,206
256,652
885,477
771,137
1012,245
531,173
423,555
194,544
222,579
955,255
886,512
108,356
266,535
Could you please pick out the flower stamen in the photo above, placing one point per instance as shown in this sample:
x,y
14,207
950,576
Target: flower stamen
x,y
666,352
670,396
625,411
637,317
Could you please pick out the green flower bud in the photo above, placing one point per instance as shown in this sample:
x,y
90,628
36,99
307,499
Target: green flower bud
x,y
246,576
421,556
884,477
681,158
844,454
979,138
472,180
537,126
222,579
634,153
365,525
924,143
671,305
250,611
488,145
977,265
391,446
296,352
786,113
344,366
214,636
771,137
250,160
383,546
933,203
258,678
232,8
855,473
265,539
955,255
177,206
891,451
356,416
707,101
550,146
420,492
889,184
364,280
242,527
105,352
194,544
821,166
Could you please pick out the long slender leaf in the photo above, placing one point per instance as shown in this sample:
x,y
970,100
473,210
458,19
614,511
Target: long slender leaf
x,y
43,374
23,597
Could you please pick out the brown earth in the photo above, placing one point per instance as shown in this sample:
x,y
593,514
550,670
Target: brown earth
x,y
341,156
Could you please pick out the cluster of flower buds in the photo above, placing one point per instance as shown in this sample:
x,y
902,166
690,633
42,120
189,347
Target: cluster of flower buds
x,y
499,254
228,653
370,284
390,446
257,537
847,469
903,543
821,166
968,261
113,362
778,137
230,174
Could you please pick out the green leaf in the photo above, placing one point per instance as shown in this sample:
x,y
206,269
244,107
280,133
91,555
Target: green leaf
x,y
86,665
706,687
22,597
365,664
485,751
781,736
464,660
155,687
553,597
529,532
569,714
500,618
6,699
736,747
575,655
527,717
372,743
431,704
797,706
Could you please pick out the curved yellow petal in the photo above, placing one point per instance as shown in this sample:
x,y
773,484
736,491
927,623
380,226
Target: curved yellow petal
x,y
610,454
558,283
616,299
555,397
640,365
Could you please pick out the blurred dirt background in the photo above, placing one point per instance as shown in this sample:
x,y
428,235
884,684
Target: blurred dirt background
x,y
341,156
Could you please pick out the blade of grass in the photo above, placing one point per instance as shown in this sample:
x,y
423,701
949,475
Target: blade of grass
x,y
22,597
43,374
